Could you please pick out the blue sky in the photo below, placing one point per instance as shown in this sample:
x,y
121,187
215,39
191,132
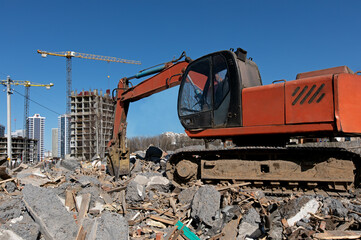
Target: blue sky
x,y
283,37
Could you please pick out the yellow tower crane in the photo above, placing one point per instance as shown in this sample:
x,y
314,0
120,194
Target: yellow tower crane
x,y
69,55
27,84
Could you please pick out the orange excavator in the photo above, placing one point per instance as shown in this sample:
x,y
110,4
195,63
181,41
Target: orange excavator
x,y
221,96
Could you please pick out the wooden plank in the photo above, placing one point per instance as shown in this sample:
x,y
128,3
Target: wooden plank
x,y
338,235
84,207
172,203
117,189
69,200
232,186
345,226
123,201
81,234
163,220
7,180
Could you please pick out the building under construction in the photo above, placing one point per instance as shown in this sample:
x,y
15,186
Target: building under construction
x,y
92,115
18,148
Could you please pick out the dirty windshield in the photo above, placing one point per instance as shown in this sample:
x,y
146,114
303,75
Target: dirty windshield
x,y
195,93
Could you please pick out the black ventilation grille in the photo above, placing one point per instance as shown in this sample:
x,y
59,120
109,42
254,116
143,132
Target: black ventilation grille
x,y
307,93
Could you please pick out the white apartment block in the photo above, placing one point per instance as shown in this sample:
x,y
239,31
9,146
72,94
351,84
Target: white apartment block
x,y
36,126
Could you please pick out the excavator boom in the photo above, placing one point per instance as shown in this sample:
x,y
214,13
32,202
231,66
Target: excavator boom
x,y
169,76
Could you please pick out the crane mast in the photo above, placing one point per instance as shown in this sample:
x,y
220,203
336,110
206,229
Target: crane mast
x,y
8,82
69,55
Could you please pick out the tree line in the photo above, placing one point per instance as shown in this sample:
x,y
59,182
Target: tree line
x,y
163,141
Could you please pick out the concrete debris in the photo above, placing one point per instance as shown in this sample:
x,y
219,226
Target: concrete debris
x,y
78,200
250,225
206,206
109,226
9,235
11,208
300,208
186,196
334,207
135,192
137,187
23,226
47,210
70,164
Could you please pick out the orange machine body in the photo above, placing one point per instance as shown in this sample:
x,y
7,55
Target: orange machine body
x,y
313,105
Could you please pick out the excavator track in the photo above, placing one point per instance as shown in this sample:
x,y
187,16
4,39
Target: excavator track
x,y
333,171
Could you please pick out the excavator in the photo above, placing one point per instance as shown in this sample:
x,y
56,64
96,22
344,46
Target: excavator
x,y
221,96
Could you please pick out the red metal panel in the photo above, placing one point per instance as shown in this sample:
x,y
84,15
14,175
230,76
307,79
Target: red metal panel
x,y
263,105
309,100
260,130
327,71
348,103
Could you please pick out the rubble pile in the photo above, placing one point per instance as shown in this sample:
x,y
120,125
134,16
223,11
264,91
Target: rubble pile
x,y
73,200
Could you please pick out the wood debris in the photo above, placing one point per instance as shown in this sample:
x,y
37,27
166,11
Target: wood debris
x,y
148,206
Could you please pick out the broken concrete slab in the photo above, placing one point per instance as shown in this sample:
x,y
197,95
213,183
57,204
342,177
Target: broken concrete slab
x,y
158,183
9,235
334,207
109,226
137,167
135,192
85,180
12,208
48,211
23,226
136,189
153,181
246,229
252,217
206,205
186,195
299,208
70,164
275,225
250,224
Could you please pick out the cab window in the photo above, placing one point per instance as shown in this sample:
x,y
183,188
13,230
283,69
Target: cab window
x,y
196,92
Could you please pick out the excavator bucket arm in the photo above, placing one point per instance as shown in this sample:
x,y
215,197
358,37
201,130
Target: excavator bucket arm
x,y
168,76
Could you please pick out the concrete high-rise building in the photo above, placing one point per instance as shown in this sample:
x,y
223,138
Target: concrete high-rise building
x,y
54,142
63,135
92,115
2,130
36,126
18,148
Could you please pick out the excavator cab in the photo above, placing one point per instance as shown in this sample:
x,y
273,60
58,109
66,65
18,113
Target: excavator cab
x,y
210,90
